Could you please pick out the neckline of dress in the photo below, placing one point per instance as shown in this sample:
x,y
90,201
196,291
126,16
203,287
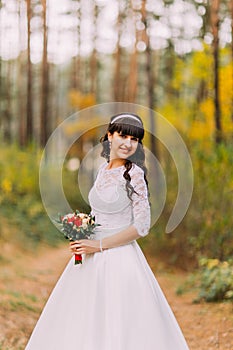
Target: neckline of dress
x,y
113,169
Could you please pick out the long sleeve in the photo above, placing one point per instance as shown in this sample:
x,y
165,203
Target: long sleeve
x,y
140,203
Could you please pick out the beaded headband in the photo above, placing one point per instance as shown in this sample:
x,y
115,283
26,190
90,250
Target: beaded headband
x,y
125,116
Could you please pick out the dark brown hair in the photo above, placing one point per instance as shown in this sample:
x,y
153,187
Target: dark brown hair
x,y
127,124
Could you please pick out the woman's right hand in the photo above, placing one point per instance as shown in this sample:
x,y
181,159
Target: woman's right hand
x,y
85,246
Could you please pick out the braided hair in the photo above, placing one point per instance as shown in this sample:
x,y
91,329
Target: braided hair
x,y
127,124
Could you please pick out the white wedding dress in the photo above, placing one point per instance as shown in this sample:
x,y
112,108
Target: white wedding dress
x,y
112,301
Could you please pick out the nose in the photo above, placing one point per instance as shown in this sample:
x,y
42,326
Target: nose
x,y
128,141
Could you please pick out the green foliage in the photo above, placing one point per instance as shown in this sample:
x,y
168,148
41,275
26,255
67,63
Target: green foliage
x,y
18,172
206,229
26,221
72,191
216,280
23,216
193,110
210,216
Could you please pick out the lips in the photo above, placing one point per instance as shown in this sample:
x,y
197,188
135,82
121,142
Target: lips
x,y
124,151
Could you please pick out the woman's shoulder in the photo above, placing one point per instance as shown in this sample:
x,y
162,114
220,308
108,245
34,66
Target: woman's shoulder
x,y
138,178
136,171
99,169
102,166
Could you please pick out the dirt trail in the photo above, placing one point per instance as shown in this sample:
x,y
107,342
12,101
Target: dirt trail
x,y
26,281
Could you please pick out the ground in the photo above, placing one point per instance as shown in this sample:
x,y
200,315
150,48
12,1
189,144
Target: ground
x,y
26,280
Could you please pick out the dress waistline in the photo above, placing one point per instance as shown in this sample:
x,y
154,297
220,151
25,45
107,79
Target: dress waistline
x,y
101,232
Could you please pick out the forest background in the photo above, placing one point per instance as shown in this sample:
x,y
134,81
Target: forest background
x,y
173,56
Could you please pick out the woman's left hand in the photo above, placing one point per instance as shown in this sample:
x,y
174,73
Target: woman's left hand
x,y
85,246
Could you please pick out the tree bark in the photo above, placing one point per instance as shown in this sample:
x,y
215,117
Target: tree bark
x,y
29,111
215,21
118,87
44,120
231,11
0,57
20,104
75,78
7,112
93,58
132,78
150,81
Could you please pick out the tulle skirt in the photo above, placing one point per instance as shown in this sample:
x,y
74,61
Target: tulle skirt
x,y
110,302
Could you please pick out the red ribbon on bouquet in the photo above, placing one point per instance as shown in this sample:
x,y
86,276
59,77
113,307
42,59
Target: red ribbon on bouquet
x,y
78,259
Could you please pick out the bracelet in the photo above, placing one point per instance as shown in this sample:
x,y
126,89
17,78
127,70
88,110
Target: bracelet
x,y
101,249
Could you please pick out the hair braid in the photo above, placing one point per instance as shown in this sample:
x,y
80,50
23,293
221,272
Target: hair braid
x,y
129,188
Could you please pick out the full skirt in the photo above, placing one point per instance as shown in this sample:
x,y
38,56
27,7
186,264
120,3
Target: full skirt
x,y
110,302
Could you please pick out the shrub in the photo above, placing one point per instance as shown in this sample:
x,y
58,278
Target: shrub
x,y
216,280
25,220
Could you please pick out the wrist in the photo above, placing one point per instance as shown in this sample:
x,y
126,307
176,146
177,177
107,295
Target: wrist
x,y
102,245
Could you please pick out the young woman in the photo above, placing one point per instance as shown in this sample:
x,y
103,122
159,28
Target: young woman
x,y
112,301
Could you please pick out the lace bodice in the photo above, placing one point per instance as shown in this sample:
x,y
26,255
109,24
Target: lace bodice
x,y
112,207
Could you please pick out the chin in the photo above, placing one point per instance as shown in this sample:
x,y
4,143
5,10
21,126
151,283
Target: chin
x,y
125,156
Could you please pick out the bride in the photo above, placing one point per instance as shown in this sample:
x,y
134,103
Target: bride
x,y
112,301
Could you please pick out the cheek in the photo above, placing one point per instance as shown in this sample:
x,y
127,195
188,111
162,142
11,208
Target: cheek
x,y
117,142
134,147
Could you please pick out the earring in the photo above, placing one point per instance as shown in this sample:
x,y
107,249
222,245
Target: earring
x,y
110,144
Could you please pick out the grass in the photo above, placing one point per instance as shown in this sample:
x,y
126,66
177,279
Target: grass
x,y
15,301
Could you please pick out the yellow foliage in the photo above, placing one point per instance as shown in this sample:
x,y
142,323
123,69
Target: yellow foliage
x,y
80,100
20,176
193,74
179,76
35,209
225,264
80,126
212,263
201,63
6,186
207,108
226,96
199,131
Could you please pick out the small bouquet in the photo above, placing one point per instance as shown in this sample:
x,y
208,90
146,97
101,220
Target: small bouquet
x,y
77,226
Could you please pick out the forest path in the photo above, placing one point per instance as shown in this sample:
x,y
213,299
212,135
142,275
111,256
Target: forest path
x,y
26,281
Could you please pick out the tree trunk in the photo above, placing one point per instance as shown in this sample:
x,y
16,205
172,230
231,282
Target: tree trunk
x,y
93,72
214,10
44,121
29,112
21,107
231,11
117,80
150,81
93,58
75,71
6,114
117,76
1,89
20,93
132,79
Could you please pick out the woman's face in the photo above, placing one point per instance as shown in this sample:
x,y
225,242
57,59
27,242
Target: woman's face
x,y
122,146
